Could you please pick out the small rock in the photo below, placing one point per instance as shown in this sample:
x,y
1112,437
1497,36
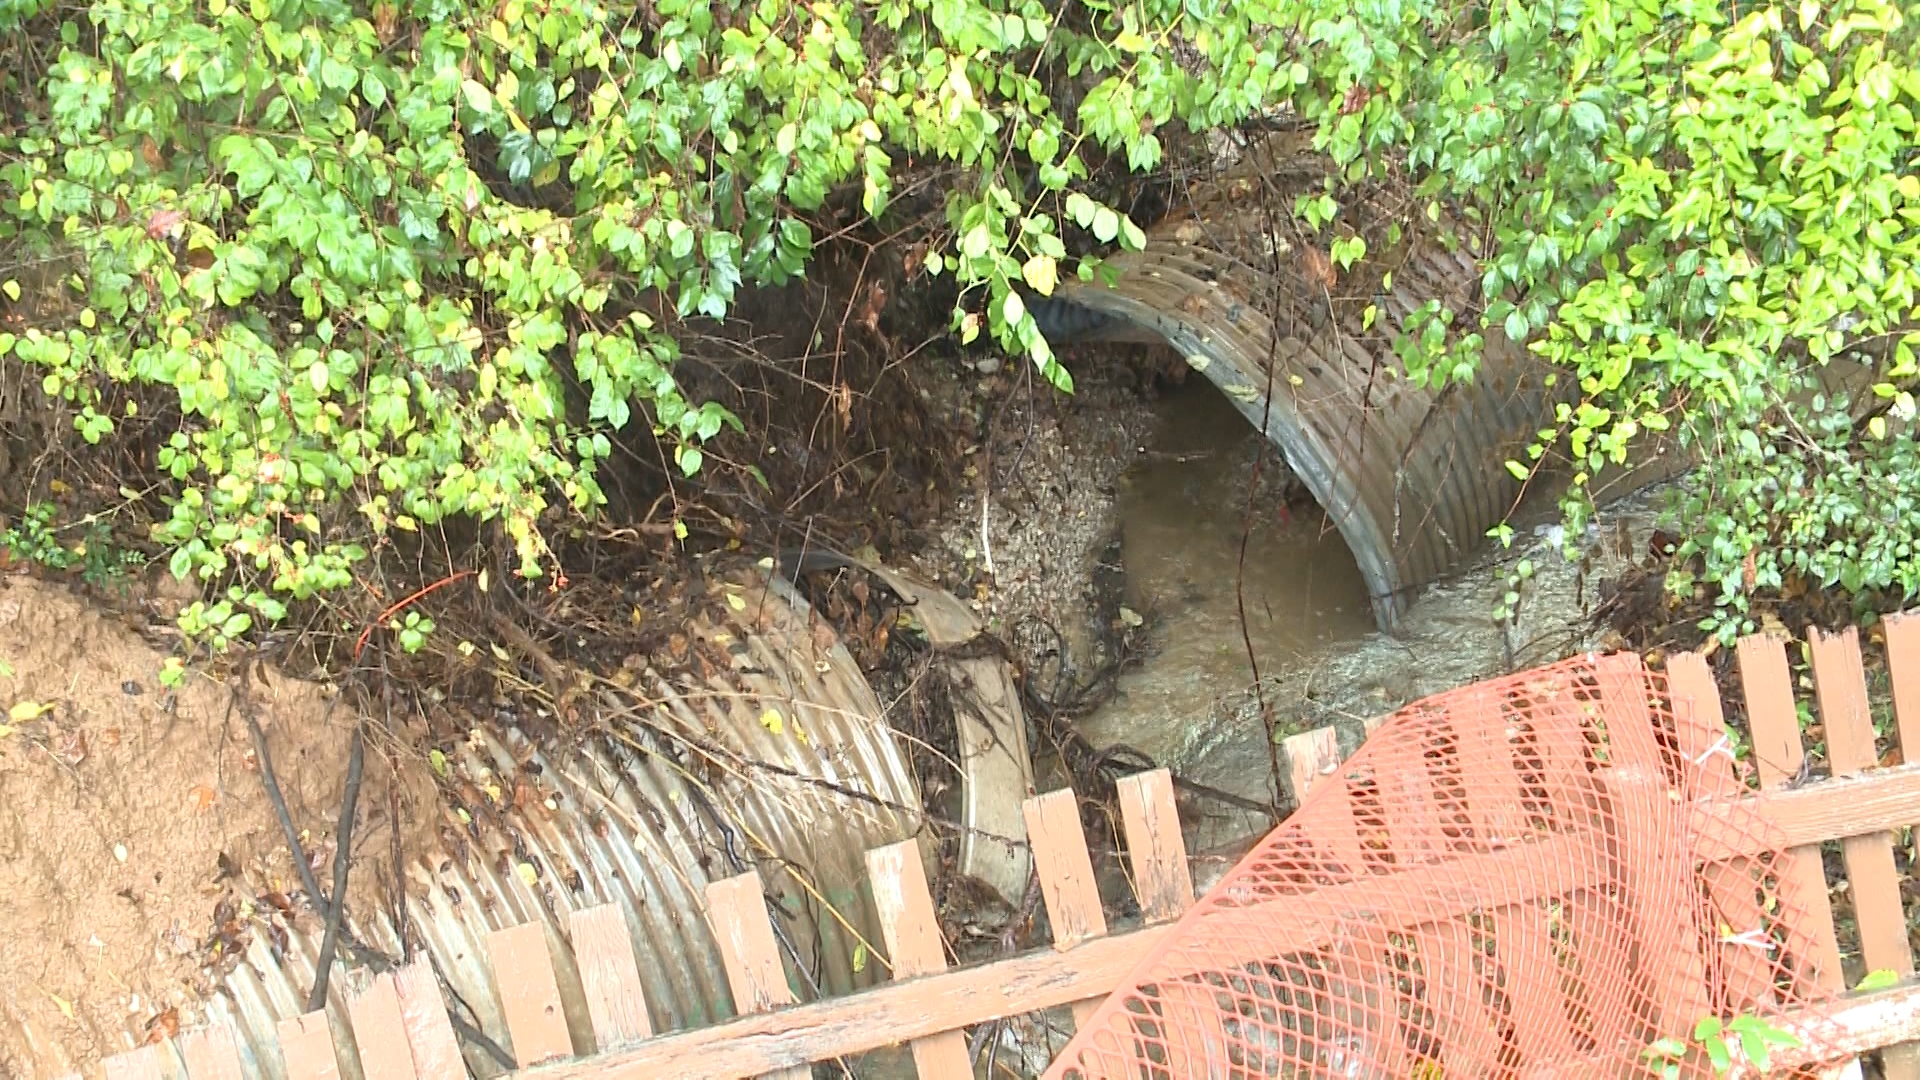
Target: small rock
x,y
132,689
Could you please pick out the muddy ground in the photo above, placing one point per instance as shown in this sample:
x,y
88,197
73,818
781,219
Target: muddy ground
x,y
137,845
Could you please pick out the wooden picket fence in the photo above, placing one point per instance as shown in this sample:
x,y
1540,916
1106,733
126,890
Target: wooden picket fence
x,y
401,1028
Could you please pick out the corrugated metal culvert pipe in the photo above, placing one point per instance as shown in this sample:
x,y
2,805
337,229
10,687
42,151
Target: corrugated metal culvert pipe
x,y
771,753
1412,478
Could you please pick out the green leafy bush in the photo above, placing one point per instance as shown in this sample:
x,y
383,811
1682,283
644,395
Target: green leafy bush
x,y
404,262
407,262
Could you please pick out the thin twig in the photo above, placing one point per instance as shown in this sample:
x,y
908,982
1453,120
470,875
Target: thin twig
x,y
279,801
342,861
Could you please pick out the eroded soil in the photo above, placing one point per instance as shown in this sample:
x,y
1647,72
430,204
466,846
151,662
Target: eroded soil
x,y
136,840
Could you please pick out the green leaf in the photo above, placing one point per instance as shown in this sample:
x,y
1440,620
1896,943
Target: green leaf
x,y
1013,309
1106,224
1879,979
1718,1054
1082,209
479,98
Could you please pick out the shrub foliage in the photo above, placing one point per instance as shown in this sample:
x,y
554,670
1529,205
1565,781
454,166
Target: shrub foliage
x,y
422,259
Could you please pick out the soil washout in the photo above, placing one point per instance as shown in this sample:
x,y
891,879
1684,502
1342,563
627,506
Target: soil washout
x,y
137,845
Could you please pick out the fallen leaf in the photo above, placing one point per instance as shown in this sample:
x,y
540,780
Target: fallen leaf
x,y
73,748
163,1026
736,602
772,722
528,874
65,1006
165,223
203,797
24,711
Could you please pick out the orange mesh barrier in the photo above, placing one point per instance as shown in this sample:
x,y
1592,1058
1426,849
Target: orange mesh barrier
x,y
1521,877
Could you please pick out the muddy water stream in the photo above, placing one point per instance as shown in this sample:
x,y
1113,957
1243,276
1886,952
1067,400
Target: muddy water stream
x,y
1194,704
1184,513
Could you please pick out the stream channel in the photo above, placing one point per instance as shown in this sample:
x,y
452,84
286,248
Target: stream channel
x,y
1194,704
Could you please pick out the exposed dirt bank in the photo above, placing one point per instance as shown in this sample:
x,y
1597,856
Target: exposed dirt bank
x,y
137,845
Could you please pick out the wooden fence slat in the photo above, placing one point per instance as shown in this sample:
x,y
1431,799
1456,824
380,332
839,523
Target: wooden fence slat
x,y
1525,945
210,1053
145,1063
379,1030
1812,814
1311,757
1364,960
529,994
1155,845
1777,756
1193,1029
1656,858
1337,833
914,947
306,1043
1743,972
436,1053
1487,778
603,951
1492,786
1406,801
1067,885
1447,961
1903,664
1840,688
737,911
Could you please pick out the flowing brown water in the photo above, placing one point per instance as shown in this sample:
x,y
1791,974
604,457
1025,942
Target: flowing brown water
x,y
1191,704
1184,512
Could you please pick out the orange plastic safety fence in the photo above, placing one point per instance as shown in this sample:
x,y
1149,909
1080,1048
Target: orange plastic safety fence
x,y
1513,878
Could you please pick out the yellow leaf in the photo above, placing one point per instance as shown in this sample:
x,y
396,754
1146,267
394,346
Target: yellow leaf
x,y
735,602
527,873
27,710
5,730
860,957
1041,273
772,722
65,1006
